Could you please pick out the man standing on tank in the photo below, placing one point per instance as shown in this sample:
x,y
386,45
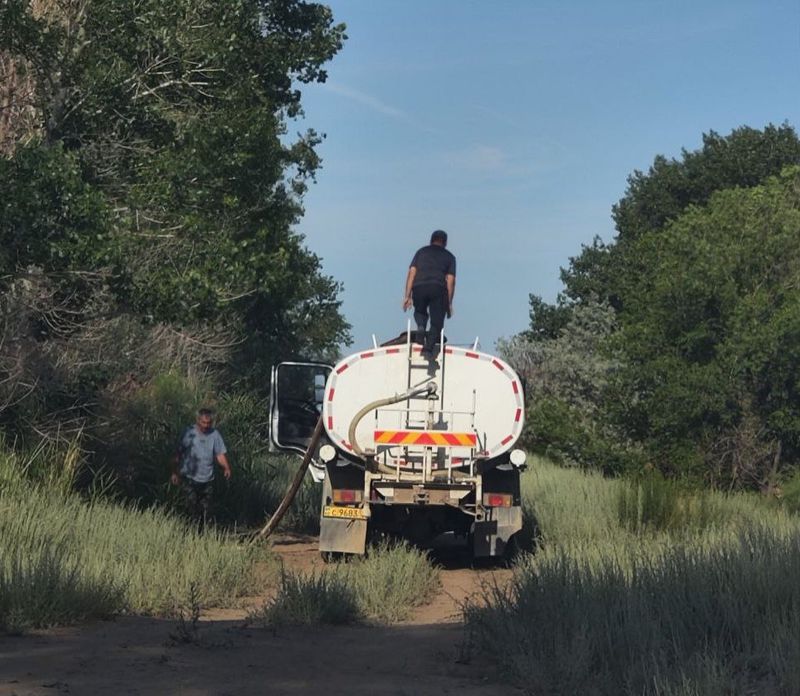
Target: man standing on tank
x,y
430,286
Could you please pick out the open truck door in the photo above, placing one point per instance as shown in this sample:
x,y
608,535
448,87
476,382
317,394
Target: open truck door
x,y
297,393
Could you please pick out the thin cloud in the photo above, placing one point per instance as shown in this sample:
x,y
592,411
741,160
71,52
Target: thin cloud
x,y
481,158
500,116
378,106
367,100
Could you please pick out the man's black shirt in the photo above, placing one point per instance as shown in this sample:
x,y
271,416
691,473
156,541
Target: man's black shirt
x,y
433,263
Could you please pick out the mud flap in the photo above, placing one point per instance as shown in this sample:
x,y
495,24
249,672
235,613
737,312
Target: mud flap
x,y
338,535
342,536
492,535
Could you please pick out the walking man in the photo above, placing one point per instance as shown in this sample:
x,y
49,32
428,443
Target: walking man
x,y
430,286
199,448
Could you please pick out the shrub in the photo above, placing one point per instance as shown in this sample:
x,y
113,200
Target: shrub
x,y
647,588
142,449
63,559
790,492
392,580
649,619
384,586
42,586
654,503
324,598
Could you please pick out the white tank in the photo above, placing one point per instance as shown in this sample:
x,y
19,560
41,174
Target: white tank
x,y
478,407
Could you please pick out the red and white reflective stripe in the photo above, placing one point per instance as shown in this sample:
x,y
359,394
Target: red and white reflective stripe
x,y
435,438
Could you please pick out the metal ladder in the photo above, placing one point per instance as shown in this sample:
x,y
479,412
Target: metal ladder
x,y
427,420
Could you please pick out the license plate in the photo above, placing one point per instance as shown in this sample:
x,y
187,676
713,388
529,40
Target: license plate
x,y
350,513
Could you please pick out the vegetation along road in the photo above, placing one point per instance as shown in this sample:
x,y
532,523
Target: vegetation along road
x,y
229,653
645,584
152,178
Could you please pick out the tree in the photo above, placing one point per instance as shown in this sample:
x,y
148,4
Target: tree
x,y
710,337
701,279
167,123
546,320
744,158
567,381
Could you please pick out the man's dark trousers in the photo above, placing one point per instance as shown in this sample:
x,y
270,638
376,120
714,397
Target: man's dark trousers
x,y
198,501
430,299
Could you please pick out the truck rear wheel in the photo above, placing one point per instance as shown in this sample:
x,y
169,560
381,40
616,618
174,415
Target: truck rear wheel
x,y
511,551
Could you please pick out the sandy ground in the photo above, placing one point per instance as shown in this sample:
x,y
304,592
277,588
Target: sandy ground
x,y
136,655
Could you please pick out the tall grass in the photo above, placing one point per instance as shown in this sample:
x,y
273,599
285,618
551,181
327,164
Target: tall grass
x,y
309,599
632,599
257,488
569,504
139,448
385,586
391,580
118,547
64,559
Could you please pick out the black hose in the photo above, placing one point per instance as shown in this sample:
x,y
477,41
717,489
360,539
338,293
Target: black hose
x,y
277,516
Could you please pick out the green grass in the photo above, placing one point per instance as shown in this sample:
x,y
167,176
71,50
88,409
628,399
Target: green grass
x,y
306,599
392,580
257,488
135,450
43,585
638,591
385,586
117,547
64,559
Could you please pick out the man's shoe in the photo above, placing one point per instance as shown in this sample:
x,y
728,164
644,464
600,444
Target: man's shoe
x,y
428,351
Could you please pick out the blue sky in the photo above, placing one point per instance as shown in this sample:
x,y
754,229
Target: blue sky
x,y
513,125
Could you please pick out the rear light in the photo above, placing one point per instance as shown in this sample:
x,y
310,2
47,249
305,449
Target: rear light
x,y
498,500
346,495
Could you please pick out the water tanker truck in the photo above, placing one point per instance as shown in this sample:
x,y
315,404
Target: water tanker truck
x,y
412,447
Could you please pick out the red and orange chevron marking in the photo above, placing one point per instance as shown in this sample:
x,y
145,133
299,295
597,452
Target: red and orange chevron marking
x,y
436,438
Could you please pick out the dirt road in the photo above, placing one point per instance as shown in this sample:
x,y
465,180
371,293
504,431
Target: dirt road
x,y
135,655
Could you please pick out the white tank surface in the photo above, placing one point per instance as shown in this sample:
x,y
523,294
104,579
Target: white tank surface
x,y
477,410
